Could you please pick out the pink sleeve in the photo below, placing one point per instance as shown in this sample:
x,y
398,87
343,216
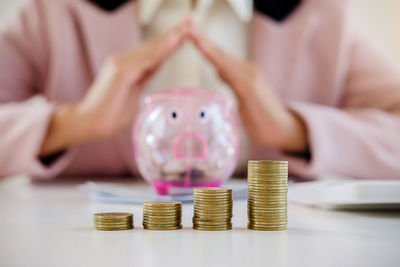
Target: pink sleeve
x,y
361,138
23,123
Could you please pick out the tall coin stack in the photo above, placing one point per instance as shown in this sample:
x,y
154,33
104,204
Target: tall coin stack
x,y
267,195
212,209
162,215
113,221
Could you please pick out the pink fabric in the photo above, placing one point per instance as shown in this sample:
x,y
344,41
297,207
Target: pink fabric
x,y
346,90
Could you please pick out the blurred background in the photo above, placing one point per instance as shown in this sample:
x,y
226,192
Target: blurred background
x,y
379,17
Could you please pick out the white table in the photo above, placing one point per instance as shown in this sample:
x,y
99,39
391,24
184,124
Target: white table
x,y
51,225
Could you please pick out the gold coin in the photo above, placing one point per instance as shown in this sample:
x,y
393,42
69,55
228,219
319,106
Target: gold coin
x,y
212,227
162,204
211,189
112,223
213,201
268,182
267,201
267,177
267,172
149,215
210,207
162,228
157,213
161,224
206,212
113,215
266,167
161,218
213,198
113,228
212,194
265,210
127,226
163,209
112,220
162,212
217,203
267,195
171,223
209,222
273,198
202,228
261,205
263,161
212,219
267,191
267,224
258,207
265,216
258,228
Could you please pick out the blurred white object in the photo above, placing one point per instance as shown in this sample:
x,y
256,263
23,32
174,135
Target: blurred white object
x,y
345,193
138,193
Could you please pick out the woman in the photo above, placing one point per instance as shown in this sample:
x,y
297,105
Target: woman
x,y
314,91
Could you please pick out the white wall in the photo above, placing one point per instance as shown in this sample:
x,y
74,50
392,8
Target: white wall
x,y
381,17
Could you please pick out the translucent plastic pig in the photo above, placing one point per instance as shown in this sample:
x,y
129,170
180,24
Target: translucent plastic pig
x,y
185,138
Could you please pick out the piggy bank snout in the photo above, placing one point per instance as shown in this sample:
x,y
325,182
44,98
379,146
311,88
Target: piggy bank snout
x,y
190,145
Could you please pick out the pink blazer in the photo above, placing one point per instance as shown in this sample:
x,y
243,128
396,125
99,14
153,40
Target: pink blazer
x,y
346,90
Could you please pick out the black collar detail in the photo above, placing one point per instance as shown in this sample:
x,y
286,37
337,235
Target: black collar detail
x,y
109,5
278,10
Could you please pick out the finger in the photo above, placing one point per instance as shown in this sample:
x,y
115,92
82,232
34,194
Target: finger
x,y
226,65
157,50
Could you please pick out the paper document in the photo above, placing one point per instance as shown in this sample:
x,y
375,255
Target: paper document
x,y
137,193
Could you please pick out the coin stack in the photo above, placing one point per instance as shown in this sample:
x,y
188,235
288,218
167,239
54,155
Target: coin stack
x,y
162,215
212,209
113,221
267,195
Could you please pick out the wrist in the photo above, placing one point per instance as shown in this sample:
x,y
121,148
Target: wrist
x,y
293,134
66,129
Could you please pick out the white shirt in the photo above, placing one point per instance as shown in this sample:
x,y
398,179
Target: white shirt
x,y
225,22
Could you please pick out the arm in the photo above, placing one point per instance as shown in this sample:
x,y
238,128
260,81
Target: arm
x,y
28,132
360,139
23,123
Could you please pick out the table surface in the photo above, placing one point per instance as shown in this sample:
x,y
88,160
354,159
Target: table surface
x,y
50,224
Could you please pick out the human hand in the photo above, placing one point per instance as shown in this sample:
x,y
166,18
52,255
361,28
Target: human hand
x,y
266,119
111,101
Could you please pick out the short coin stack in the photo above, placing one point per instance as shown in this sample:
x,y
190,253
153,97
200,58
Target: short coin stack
x,y
212,209
162,215
267,195
113,221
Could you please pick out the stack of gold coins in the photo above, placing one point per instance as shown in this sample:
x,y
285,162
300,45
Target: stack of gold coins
x,y
212,209
162,215
267,195
113,221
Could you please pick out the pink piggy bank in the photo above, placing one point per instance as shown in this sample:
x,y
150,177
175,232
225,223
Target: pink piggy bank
x,y
185,138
